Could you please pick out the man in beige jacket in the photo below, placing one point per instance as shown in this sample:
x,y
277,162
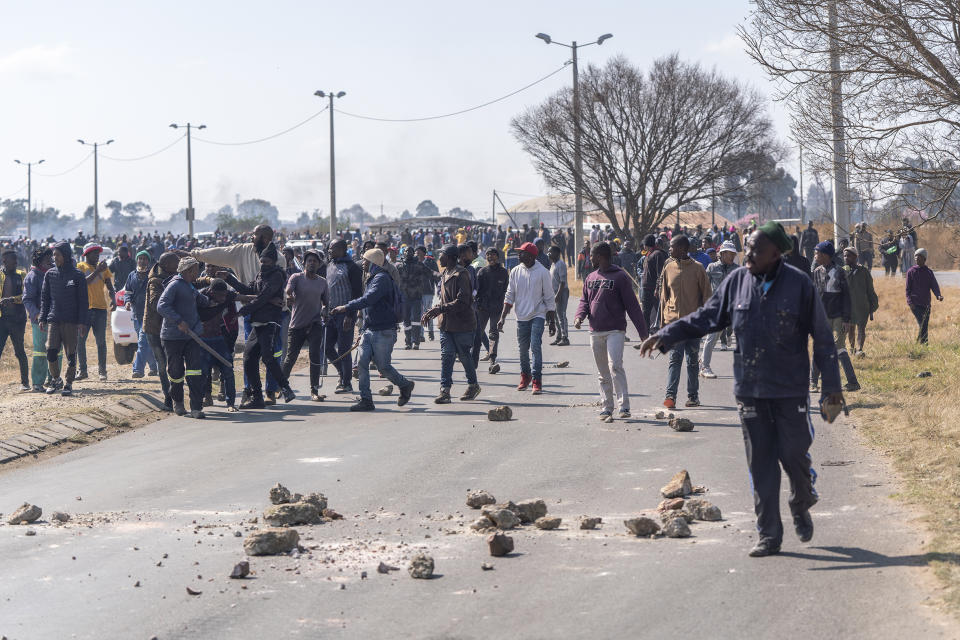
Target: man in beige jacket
x,y
684,287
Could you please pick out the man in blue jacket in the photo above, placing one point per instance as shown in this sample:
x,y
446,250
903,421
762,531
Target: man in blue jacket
x,y
63,312
773,309
380,317
178,305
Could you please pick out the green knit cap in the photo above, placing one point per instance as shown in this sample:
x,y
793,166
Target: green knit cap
x,y
774,231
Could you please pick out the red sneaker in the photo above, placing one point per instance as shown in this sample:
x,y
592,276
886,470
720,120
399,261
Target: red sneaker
x,y
537,389
669,403
524,382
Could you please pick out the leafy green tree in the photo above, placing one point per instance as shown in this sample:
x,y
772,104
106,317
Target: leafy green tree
x,y
427,209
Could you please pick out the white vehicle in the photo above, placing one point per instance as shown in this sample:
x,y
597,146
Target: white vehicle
x,y
124,335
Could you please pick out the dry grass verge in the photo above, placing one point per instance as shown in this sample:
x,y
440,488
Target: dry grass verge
x,y
915,421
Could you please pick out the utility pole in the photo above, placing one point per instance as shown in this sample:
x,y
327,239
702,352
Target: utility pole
x,y
29,190
96,202
333,174
191,214
577,156
841,201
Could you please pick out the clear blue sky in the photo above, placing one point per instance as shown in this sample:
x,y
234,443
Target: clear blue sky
x,y
126,70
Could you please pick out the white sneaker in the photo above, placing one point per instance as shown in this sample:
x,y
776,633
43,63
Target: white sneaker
x,y
706,372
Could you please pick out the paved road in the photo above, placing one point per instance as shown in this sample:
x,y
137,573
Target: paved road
x,y
175,492
944,278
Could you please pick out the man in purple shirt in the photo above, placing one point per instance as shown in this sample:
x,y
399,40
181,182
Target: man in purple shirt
x,y
920,282
607,299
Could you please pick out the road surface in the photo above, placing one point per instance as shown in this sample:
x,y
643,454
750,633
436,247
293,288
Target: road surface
x,y
167,500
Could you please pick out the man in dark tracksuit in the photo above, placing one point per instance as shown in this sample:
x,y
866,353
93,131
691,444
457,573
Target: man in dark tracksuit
x,y
773,308
492,281
63,311
652,267
413,273
830,282
158,277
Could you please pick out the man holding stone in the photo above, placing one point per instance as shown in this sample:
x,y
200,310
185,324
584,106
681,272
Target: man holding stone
x,y
773,309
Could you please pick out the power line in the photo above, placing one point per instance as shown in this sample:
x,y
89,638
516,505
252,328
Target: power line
x,y
63,173
149,155
270,137
15,192
462,111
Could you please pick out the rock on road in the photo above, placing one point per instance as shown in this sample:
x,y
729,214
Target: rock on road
x,y
169,500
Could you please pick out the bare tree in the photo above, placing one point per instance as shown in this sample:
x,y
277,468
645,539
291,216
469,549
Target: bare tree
x,y
899,79
651,142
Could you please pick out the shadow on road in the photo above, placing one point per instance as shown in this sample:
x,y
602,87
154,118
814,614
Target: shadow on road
x,y
858,558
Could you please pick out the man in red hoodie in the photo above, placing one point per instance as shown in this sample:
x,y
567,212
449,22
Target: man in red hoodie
x,y
607,299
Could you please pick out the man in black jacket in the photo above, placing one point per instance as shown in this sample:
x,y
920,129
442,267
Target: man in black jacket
x,y
63,311
13,315
652,266
831,285
413,274
265,317
492,283
808,241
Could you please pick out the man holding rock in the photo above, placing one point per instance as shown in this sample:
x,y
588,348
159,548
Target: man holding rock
x,y
773,309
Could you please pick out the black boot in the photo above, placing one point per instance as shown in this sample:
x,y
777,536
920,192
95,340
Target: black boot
x,y
253,401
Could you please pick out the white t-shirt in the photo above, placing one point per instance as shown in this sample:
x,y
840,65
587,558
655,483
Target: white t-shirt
x,y
530,291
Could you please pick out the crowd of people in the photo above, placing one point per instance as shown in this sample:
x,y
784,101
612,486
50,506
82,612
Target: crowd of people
x,y
348,298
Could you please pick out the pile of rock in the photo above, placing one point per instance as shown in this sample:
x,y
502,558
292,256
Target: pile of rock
x,y
509,515
287,509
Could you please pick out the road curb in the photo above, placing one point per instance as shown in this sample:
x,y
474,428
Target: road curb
x,y
36,440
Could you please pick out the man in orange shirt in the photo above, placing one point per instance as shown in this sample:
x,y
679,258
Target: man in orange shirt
x,y
101,300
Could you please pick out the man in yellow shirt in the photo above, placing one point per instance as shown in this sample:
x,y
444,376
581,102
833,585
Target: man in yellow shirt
x,y
101,300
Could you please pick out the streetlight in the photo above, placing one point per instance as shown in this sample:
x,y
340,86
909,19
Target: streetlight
x,y
96,203
29,166
190,213
577,162
333,175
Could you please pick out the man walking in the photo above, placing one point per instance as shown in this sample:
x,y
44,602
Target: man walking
x,y
607,299
429,287
920,282
530,289
863,299
684,288
101,296
558,276
773,309
344,283
652,267
32,287
717,272
159,276
413,274
13,315
831,284
63,312
492,283
135,300
458,324
809,240
381,313
307,297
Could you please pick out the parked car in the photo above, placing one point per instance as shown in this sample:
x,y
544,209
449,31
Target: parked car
x,y
124,335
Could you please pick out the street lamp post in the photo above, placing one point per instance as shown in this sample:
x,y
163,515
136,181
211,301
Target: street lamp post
x,y
577,160
190,213
96,202
29,191
333,175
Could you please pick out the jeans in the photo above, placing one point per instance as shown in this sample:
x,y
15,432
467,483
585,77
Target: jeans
x,y
227,382
378,346
692,349
453,345
411,320
14,329
185,364
608,355
260,346
778,431
338,342
39,371
563,333
144,355
426,303
486,317
530,338
96,320
156,348
922,314
312,334
277,353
